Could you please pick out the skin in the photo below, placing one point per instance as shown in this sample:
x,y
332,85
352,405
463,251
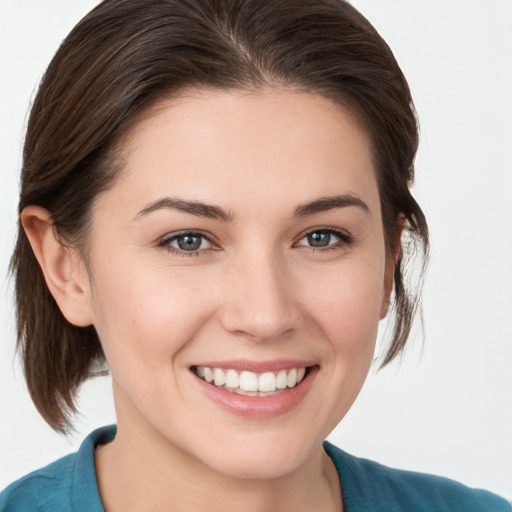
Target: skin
x,y
257,292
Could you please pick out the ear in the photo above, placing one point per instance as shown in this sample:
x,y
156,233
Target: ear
x,y
63,268
391,261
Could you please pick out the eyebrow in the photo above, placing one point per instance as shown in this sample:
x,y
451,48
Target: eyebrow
x,y
209,211
330,203
193,207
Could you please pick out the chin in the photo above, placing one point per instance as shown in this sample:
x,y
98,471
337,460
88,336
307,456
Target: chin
x,y
261,458
268,468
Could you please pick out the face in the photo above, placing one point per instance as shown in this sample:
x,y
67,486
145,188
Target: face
x,y
242,244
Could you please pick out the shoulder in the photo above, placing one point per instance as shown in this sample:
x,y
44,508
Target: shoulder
x,y
370,486
67,485
45,489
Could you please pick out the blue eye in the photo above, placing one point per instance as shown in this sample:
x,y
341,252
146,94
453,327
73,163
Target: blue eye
x,y
325,238
319,239
187,242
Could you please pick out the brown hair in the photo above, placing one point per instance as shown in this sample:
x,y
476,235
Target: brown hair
x,y
124,56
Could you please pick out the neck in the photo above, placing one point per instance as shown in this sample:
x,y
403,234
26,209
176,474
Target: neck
x,y
160,476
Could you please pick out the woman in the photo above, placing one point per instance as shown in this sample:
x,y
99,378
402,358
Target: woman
x,y
213,198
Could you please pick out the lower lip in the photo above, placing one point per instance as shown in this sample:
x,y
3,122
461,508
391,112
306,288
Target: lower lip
x,y
259,406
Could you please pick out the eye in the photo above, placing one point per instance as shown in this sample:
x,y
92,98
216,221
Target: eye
x,y
187,242
326,238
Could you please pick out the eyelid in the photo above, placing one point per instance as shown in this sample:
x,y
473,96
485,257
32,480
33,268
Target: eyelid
x,y
166,240
346,239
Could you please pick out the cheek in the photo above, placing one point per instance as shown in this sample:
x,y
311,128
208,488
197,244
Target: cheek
x,y
345,308
347,302
144,316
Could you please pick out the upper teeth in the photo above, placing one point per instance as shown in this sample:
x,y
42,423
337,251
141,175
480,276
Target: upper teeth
x,y
250,381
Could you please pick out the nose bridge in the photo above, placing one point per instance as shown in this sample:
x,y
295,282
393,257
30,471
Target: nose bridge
x,y
259,302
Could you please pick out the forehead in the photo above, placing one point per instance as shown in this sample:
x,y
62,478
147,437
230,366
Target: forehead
x,y
247,148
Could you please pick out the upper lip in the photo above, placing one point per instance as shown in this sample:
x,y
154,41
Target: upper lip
x,y
257,366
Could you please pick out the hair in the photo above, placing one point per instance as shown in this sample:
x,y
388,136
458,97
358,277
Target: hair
x,y
127,55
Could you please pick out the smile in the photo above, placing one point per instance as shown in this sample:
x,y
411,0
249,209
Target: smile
x,y
249,383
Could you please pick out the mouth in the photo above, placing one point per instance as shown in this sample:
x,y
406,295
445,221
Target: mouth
x,y
256,390
248,383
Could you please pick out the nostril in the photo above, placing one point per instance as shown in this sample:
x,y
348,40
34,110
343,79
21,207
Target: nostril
x,y
258,326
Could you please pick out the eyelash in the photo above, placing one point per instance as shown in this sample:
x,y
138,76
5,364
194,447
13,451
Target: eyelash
x,y
166,243
345,240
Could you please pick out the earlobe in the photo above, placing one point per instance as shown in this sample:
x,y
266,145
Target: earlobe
x,y
391,263
62,267
386,299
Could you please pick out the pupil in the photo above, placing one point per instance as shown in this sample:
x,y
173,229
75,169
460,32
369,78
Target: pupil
x,y
189,242
319,239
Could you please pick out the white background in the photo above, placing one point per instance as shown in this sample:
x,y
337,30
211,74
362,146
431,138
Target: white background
x,y
446,408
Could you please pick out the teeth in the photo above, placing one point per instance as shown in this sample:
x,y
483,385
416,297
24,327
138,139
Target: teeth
x,y
232,379
267,382
208,374
218,377
281,380
292,378
250,383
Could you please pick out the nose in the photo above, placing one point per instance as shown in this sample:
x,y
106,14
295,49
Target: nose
x,y
259,300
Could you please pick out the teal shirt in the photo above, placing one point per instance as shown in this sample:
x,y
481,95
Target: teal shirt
x,y
69,485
